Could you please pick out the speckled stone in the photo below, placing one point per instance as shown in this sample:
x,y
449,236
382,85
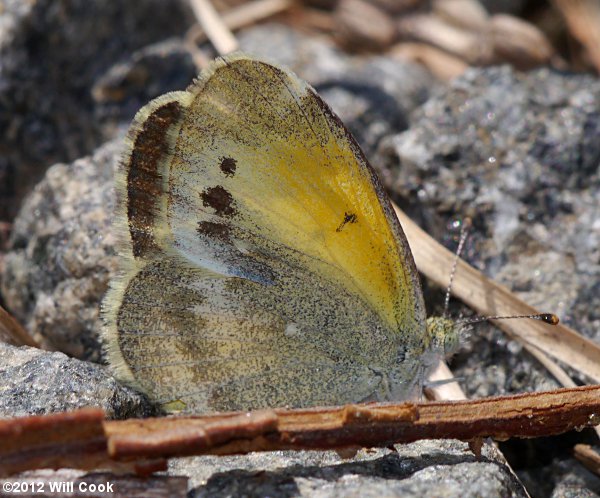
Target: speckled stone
x,y
35,382
519,154
62,254
426,468
52,53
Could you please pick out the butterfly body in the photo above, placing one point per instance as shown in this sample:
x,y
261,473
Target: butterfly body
x,y
262,264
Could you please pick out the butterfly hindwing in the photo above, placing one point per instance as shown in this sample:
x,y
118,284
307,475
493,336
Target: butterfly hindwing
x,y
219,343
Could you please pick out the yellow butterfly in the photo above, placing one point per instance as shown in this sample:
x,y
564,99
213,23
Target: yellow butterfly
x,y
261,262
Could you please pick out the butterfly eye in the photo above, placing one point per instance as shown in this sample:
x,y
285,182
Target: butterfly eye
x,y
401,354
451,341
444,334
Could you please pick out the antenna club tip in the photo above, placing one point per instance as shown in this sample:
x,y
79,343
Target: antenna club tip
x,y
549,318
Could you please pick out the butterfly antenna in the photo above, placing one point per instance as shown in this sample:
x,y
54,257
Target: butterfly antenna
x,y
464,233
549,318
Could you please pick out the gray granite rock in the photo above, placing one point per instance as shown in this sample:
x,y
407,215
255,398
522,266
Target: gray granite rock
x,y
561,478
520,155
63,253
134,81
34,382
52,51
426,468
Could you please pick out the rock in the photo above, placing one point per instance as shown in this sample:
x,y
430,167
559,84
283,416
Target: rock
x,y
131,83
34,382
559,477
52,53
518,153
63,253
425,468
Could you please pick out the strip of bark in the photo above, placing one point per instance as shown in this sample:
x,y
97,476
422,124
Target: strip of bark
x,y
13,333
364,425
83,440
62,440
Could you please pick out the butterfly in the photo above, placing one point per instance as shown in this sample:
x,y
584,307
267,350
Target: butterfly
x,y
261,263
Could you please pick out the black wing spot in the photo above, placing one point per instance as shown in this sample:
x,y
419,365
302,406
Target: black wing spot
x,y
219,199
348,218
228,166
214,230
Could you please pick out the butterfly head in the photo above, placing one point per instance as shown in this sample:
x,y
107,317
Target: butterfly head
x,y
444,334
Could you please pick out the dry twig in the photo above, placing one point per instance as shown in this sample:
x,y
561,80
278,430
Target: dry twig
x,y
73,439
214,27
12,332
583,19
442,64
588,457
478,40
245,15
489,298
81,440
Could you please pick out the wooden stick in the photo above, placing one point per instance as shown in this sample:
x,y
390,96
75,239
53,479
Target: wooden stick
x,y
244,15
588,457
442,64
81,439
12,332
583,19
73,439
214,27
363,425
447,391
251,12
489,298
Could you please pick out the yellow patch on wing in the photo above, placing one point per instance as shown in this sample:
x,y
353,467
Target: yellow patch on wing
x,y
297,183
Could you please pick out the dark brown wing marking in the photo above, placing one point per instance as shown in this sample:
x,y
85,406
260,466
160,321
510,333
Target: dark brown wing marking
x,y
228,166
348,218
144,182
219,199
